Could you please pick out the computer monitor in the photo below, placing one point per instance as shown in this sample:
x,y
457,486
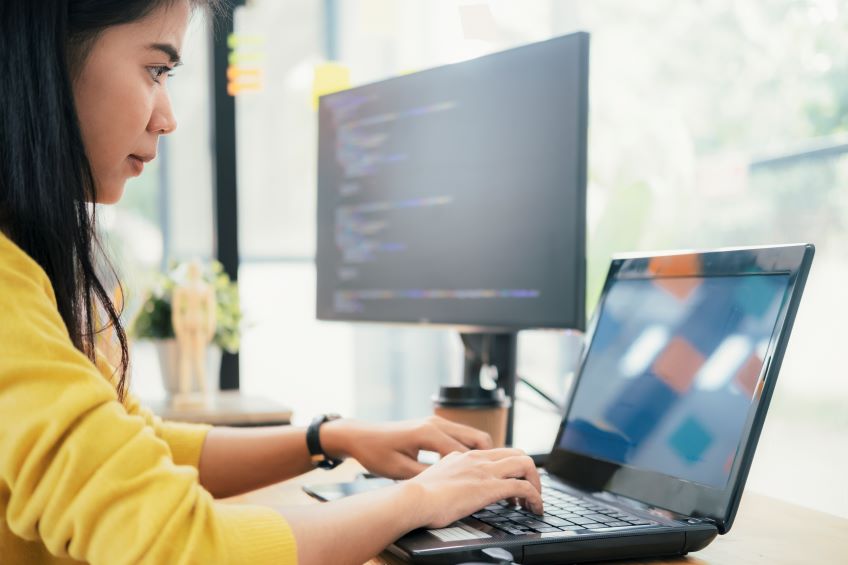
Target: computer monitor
x,y
456,196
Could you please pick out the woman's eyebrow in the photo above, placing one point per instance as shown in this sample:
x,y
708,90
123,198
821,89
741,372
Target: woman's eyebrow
x,y
168,50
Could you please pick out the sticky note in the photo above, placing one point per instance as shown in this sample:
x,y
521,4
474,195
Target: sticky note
x,y
329,77
235,40
249,58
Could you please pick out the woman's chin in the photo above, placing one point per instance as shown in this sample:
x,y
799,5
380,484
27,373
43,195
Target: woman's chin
x,y
110,194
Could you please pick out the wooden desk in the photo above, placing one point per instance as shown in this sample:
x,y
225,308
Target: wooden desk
x,y
766,530
225,408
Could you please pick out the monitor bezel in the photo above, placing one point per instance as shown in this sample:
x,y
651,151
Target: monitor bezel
x,y
687,498
581,43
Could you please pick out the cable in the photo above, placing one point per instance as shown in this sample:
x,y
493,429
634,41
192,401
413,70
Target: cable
x,y
553,402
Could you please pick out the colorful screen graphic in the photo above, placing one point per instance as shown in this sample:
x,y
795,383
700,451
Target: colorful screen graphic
x,y
672,370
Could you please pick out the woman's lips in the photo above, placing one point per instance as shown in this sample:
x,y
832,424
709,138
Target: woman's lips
x,y
137,162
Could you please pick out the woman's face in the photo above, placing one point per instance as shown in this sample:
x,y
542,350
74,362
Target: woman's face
x,y
122,99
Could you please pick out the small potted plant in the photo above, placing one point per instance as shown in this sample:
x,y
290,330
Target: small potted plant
x,y
153,322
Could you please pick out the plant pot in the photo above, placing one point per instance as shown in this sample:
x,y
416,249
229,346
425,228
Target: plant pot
x,y
168,353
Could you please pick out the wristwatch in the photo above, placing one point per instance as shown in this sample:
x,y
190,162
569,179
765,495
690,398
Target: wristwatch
x,y
313,442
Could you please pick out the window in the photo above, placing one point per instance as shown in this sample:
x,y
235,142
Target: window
x,y
711,124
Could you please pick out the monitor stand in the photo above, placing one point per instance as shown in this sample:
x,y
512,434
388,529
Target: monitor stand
x,y
497,350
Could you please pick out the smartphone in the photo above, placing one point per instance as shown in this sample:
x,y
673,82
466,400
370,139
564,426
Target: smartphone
x,y
334,491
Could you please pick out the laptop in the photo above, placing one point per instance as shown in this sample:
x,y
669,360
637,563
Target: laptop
x,y
670,397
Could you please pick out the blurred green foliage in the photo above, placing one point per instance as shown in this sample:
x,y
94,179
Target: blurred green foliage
x,y
154,318
685,97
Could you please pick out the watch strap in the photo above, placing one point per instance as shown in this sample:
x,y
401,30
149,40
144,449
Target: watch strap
x,y
313,442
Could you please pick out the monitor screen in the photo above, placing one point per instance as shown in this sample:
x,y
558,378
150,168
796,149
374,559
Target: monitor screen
x,y
456,195
672,373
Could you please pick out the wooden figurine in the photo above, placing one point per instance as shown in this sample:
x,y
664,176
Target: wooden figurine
x,y
193,315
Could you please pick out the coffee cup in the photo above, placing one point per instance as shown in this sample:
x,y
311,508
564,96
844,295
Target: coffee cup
x,y
480,408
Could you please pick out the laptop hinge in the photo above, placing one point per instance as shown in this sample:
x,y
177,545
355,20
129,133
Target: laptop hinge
x,y
719,525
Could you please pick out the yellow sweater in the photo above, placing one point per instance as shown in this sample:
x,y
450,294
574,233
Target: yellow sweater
x,y
86,478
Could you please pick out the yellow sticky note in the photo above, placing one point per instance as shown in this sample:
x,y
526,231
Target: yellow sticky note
x,y
249,58
329,77
235,40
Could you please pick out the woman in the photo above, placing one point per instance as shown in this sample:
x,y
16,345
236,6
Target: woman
x,y
85,472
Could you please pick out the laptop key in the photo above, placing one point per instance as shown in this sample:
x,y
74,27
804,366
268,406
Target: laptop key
x,y
547,530
521,519
608,528
494,520
595,516
508,526
581,521
528,513
555,521
601,518
534,524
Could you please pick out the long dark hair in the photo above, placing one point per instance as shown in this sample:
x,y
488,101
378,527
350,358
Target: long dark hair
x,y
46,182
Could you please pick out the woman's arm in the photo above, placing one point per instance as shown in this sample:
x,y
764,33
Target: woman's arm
x,y
238,460
354,529
80,477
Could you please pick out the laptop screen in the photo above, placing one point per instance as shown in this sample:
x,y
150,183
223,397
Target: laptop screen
x,y
672,371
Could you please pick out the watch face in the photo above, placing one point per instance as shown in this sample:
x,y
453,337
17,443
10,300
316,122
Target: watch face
x,y
328,463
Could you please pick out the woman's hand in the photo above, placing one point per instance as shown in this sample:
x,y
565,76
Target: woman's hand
x,y
354,529
391,450
462,483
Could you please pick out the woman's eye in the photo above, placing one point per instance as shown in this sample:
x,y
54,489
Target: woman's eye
x,y
156,72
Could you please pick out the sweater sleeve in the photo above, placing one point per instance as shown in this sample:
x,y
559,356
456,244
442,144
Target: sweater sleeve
x,y
87,478
184,440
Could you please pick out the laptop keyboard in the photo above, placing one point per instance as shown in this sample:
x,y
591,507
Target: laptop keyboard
x,y
563,513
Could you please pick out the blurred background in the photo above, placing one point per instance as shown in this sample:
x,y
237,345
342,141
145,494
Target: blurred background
x,y
712,123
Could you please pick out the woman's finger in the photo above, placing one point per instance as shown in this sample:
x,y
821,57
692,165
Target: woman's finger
x,y
532,498
439,441
499,453
405,467
471,437
517,467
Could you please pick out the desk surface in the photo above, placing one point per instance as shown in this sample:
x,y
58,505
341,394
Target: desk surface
x,y
766,530
224,408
